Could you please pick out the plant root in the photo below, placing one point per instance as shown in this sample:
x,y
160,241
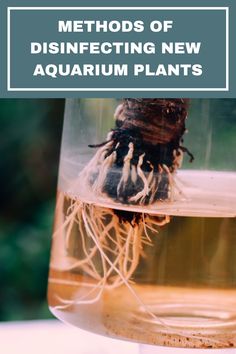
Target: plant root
x,y
110,251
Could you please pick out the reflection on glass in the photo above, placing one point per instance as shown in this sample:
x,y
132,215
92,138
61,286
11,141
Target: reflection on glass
x,y
144,245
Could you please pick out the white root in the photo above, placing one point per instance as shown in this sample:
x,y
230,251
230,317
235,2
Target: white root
x,y
126,169
140,196
94,175
178,158
107,163
134,174
171,182
94,164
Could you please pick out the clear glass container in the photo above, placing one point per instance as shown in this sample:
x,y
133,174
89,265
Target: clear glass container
x,y
144,241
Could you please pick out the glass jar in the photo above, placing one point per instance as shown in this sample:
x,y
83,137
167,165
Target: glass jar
x,y
144,240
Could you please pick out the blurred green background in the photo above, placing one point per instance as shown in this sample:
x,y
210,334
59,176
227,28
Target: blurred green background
x,y
30,134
